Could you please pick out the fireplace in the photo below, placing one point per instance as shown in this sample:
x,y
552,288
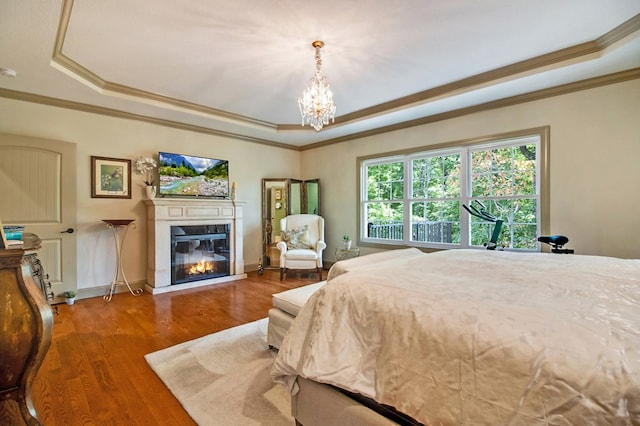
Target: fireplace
x,y
192,243
199,252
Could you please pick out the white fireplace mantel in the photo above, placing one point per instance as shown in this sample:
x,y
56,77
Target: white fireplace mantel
x,y
163,213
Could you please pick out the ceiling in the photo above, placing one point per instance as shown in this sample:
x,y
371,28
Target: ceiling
x,y
237,68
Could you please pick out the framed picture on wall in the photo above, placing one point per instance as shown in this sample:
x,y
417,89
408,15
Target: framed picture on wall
x,y
110,177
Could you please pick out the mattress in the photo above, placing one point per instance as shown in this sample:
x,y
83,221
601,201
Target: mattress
x,y
478,337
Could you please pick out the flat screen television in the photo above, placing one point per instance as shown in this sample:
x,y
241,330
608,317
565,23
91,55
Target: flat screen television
x,y
188,175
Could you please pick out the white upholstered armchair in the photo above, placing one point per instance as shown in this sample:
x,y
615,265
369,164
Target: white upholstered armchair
x,y
302,243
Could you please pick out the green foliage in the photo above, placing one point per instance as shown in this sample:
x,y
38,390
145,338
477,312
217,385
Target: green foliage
x,y
506,172
503,172
503,178
184,169
436,177
385,181
219,171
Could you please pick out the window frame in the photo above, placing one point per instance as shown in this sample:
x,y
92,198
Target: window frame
x,y
408,155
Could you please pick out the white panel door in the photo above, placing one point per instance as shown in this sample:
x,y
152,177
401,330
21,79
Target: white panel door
x,y
38,190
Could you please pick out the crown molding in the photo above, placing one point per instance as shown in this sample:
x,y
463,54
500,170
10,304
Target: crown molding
x,y
77,106
619,33
87,77
574,54
590,83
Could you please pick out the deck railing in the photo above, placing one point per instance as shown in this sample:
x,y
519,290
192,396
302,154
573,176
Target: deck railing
x,y
440,232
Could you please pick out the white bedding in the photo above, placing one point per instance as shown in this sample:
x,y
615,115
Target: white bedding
x,y
345,266
478,337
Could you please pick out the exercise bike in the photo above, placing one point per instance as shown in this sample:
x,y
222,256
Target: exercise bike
x,y
483,214
556,242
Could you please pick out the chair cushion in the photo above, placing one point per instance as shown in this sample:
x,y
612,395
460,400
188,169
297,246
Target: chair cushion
x,y
297,238
291,301
301,254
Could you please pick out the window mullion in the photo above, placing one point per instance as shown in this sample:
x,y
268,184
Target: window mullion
x,y
407,198
465,196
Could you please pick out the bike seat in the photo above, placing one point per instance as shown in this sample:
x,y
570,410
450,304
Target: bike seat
x,y
555,240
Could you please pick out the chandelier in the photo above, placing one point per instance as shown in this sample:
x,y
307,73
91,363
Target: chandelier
x,y
316,103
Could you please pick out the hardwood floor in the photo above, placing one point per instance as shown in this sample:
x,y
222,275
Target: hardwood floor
x,y
95,373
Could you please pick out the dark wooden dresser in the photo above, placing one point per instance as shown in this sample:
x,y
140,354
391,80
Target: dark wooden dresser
x,y
26,323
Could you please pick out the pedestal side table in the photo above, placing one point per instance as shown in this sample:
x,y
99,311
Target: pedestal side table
x,y
120,228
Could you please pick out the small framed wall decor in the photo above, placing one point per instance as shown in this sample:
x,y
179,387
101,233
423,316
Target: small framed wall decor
x,y
110,177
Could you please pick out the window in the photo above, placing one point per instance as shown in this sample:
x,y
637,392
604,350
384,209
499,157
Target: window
x,y
417,198
435,198
385,193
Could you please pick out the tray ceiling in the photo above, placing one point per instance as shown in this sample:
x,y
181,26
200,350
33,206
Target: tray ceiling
x,y
237,68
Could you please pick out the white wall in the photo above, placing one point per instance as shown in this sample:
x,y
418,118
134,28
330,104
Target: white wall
x,y
595,172
120,138
595,165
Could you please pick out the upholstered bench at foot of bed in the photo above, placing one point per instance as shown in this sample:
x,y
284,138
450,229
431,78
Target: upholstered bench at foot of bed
x,y
286,306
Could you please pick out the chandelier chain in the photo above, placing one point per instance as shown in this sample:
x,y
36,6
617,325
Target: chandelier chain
x,y
318,59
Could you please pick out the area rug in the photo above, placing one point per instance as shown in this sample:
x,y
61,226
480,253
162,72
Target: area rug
x,y
224,378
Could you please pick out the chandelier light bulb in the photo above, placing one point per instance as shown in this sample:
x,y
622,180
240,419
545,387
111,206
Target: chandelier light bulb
x,y
316,103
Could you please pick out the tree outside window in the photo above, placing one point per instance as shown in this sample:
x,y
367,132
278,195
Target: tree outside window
x,y
416,199
384,208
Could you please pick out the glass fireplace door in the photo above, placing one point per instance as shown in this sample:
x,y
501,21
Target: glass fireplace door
x,y
199,252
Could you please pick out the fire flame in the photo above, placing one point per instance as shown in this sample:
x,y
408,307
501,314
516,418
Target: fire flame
x,y
201,267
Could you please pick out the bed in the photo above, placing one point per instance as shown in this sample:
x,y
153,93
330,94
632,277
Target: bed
x,y
469,337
